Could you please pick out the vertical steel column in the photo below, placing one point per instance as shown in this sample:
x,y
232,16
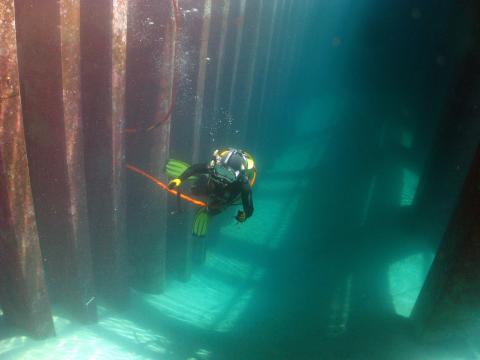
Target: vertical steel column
x,y
220,61
278,49
215,55
266,23
453,166
240,23
280,88
169,90
201,81
23,294
49,59
301,23
79,284
243,89
287,56
273,27
151,89
200,250
230,51
185,123
103,45
187,117
460,230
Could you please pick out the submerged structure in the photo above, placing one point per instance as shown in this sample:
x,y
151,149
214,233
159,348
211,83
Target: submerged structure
x,y
88,87
96,96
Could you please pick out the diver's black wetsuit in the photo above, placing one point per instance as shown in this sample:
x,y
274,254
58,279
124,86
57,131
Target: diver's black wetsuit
x,y
220,195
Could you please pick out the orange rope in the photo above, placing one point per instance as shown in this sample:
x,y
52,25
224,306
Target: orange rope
x,y
165,187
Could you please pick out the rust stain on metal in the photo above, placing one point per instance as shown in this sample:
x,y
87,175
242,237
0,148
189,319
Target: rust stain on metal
x,y
76,207
9,88
103,97
168,69
119,55
167,79
12,143
70,51
26,301
161,134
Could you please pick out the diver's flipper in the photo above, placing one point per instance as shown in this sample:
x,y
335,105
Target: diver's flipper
x,y
200,223
175,168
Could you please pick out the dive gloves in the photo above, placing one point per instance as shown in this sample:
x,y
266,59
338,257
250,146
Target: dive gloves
x,y
175,183
241,216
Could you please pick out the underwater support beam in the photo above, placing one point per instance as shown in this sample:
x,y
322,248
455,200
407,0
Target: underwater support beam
x,y
199,251
220,53
23,294
152,74
461,233
218,23
103,47
49,57
454,161
187,122
266,24
275,73
240,26
258,120
251,51
203,61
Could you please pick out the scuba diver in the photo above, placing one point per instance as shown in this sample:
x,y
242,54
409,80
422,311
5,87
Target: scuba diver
x,y
226,179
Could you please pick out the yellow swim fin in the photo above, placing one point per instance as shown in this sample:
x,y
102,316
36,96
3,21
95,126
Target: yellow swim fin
x,y
175,168
200,223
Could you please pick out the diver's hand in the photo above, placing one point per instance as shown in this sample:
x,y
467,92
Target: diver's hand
x,y
175,183
241,216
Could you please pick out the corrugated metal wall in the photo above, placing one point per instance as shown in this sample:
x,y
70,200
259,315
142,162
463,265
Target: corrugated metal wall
x,y
86,86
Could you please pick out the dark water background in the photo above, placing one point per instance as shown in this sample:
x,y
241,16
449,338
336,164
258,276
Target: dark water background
x,y
343,154
346,227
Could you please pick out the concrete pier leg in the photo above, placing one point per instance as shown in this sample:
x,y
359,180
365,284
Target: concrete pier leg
x,y
103,45
23,294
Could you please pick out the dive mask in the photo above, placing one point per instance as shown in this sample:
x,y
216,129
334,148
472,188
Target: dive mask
x,y
225,172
